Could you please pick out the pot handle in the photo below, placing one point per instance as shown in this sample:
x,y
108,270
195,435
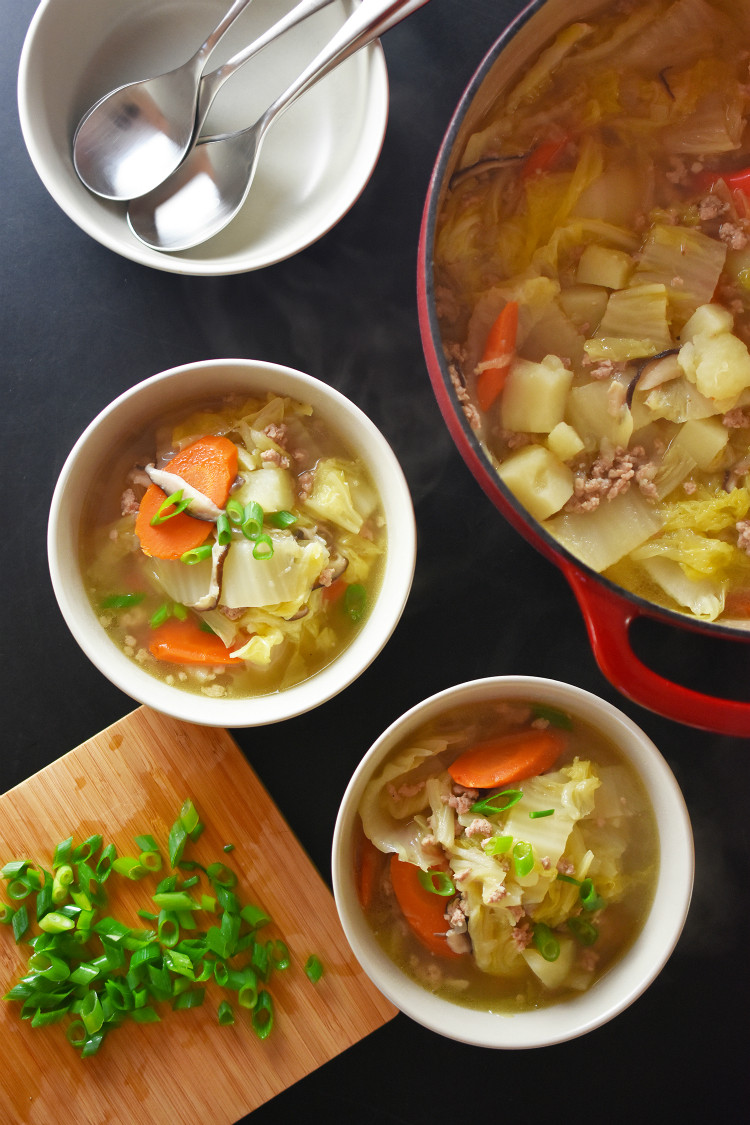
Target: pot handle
x,y
608,619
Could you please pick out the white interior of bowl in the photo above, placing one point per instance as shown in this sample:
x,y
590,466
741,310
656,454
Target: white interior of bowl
x,y
628,978
132,413
315,160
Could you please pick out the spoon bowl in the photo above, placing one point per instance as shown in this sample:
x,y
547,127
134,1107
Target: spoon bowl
x,y
211,185
135,136
316,160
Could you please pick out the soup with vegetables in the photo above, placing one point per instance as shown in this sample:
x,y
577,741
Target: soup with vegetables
x,y
592,268
237,550
508,855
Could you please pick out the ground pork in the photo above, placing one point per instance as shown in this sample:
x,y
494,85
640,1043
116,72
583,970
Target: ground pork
x,y
611,474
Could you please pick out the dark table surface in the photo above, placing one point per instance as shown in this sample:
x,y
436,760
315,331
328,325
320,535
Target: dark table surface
x,y
79,325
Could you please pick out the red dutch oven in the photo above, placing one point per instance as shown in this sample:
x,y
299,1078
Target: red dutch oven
x,y
609,611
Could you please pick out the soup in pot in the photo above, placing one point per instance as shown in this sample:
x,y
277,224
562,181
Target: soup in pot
x,y
592,270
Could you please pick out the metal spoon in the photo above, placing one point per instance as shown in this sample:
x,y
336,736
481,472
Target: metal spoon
x,y
212,183
135,136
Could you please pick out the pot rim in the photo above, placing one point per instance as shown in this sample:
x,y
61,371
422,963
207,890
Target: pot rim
x,y
469,445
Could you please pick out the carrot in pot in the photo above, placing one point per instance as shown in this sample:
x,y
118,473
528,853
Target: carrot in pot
x,y
184,642
508,759
424,911
209,465
544,157
499,350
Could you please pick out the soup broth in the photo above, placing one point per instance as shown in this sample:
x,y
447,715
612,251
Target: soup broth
x,y
513,895
235,550
592,269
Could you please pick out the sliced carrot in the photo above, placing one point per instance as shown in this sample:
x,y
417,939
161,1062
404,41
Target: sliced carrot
x,y
544,157
509,758
333,592
499,350
184,642
737,179
369,864
424,911
208,464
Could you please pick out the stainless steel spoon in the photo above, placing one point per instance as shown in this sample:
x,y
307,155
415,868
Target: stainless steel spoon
x,y
136,136
212,183
133,137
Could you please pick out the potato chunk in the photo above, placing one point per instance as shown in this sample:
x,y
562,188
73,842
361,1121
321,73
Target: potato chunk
x,y
538,480
534,395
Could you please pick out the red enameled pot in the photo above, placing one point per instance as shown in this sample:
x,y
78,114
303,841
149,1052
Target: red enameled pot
x,y
608,610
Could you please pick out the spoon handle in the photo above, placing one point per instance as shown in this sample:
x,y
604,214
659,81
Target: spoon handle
x,y
370,20
212,83
224,24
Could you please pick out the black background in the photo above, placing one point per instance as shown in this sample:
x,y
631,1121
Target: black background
x,y
80,324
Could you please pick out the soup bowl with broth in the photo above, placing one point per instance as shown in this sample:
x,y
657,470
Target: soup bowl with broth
x,y
231,542
497,862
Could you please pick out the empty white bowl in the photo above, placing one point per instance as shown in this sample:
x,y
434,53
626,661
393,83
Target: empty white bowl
x,y
314,163
132,413
627,978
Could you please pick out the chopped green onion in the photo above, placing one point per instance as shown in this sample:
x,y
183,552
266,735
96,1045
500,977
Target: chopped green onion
x,y
262,1018
229,847
589,898
499,802
313,968
162,515
437,882
223,530
63,853
583,930
221,875
235,511
263,548
55,922
6,914
159,616
146,844
192,998
190,820
197,554
254,916
355,601
129,867
120,601
15,868
179,611
282,519
175,900
568,879
523,858
541,812
553,716
226,1015
545,941
151,861
497,845
252,520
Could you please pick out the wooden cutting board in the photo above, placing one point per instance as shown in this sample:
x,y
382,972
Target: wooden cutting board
x,y
129,780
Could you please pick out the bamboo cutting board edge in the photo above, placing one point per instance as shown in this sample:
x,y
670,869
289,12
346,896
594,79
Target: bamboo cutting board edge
x,y
132,778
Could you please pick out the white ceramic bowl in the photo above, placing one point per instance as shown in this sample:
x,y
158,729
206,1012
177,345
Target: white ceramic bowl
x,y
131,413
315,161
627,978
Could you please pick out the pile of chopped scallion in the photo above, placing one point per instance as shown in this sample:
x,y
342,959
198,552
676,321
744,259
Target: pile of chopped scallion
x,y
95,972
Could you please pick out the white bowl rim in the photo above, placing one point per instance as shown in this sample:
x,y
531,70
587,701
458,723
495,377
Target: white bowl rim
x,y
127,245
626,980
384,615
